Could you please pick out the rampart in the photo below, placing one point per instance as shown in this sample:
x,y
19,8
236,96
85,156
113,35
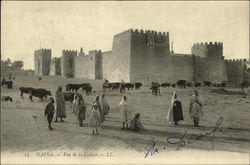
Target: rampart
x,y
42,59
234,69
89,66
68,63
107,65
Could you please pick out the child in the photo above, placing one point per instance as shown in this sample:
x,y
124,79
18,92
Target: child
x,y
74,103
95,119
80,110
125,112
49,112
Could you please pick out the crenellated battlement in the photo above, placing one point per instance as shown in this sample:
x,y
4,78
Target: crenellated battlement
x,y
208,49
150,32
67,52
142,32
235,61
180,55
209,44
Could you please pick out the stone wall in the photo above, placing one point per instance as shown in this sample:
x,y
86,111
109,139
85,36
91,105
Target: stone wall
x,y
89,66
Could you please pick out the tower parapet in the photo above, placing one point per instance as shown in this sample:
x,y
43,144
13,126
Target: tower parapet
x,y
209,50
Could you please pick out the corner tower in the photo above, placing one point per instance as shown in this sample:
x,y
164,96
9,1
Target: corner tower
x,y
211,66
42,58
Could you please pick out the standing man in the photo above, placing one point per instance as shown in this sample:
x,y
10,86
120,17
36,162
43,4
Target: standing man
x,y
60,104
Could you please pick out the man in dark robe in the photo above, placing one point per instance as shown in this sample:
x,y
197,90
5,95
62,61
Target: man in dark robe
x,y
177,111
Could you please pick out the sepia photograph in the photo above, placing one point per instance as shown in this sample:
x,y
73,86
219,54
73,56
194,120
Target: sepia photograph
x,y
125,82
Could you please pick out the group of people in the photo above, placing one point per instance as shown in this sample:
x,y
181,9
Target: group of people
x,y
195,109
100,109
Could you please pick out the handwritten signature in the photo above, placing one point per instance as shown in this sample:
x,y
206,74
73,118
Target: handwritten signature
x,y
181,142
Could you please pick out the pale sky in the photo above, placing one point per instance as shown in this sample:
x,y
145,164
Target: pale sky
x,y
27,26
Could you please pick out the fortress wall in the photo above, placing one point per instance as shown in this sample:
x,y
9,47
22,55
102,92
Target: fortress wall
x,y
107,65
120,58
181,67
234,70
85,65
213,70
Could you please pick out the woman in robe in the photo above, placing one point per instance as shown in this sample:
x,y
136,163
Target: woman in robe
x,y
195,108
80,110
95,119
104,106
75,101
175,110
97,101
60,104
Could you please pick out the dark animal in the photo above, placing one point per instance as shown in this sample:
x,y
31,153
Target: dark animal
x,y
207,83
87,88
40,78
6,98
73,87
115,86
189,84
122,87
223,84
9,84
173,85
40,93
129,86
181,83
138,85
155,88
69,96
106,85
197,84
26,90
164,85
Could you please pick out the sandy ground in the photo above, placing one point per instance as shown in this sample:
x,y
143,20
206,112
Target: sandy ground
x,y
27,136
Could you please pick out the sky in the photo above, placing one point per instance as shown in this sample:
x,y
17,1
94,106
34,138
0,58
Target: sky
x,y
29,25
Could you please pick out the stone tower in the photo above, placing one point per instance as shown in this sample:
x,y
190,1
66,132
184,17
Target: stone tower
x,y
42,58
211,66
68,63
136,52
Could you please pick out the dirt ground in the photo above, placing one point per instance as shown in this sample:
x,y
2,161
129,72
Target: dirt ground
x,y
22,133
